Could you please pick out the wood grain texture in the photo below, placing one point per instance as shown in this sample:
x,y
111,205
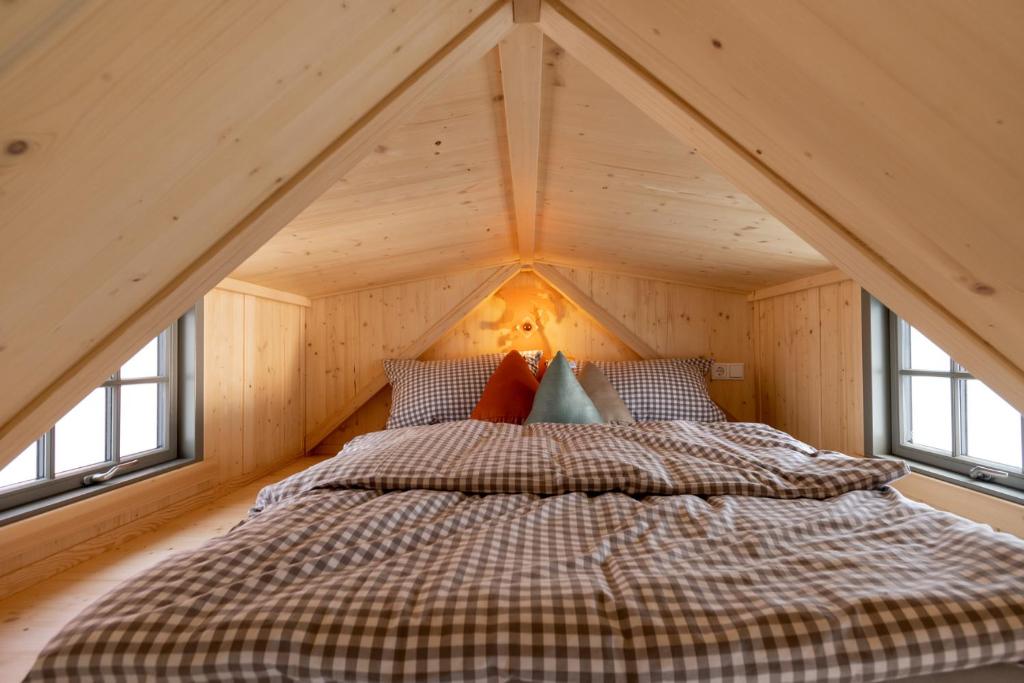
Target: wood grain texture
x,y
521,53
571,291
350,334
680,321
432,197
526,11
809,365
529,314
620,192
230,284
922,210
665,319
827,278
253,394
171,166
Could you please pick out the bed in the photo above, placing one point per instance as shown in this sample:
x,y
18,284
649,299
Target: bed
x,y
654,551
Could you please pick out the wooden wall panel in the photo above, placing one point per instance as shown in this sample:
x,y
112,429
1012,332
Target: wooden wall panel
x,y
253,373
809,365
498,325
681,320
224,380
350,334
371,417
274,377
676,319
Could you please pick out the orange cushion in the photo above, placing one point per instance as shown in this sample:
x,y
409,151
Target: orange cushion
x,y
542,367
508,396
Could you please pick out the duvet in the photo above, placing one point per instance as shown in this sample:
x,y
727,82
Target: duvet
x,y
658,551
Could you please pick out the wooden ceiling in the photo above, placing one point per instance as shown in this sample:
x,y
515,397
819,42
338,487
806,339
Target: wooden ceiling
x,y
621,193
149,149
431,198
615,190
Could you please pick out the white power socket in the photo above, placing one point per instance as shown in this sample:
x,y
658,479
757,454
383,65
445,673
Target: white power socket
x,y
727,371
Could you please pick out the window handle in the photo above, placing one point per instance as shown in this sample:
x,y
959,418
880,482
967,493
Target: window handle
x,y
105,476
987,473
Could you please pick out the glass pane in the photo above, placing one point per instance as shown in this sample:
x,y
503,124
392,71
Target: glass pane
x,y
924,355
81,434
139,418
993,427
930,412
21,469
143,364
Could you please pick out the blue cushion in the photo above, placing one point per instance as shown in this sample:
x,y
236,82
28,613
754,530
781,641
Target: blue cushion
x,y
560,398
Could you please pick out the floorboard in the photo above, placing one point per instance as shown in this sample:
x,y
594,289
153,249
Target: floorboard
x,y
30,618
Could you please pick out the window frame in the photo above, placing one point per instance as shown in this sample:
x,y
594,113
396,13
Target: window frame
x,y
957,460
179,423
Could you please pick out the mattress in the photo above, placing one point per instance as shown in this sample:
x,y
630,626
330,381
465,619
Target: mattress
x,y
657,551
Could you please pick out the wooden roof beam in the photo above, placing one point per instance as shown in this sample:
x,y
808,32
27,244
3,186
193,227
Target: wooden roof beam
x,y
526,11
841,244
521,56
596,311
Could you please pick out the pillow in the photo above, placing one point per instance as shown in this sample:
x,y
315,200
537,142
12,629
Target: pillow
x,y
664,389
603,394
432,391
560,398
508,396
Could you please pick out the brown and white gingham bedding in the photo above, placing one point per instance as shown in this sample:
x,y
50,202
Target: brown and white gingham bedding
x,y
656,551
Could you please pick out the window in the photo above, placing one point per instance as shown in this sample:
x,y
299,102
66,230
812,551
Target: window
x,y
944,417
141,418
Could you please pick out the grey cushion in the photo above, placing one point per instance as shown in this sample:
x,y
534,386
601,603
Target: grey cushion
x,y
561,399
603,394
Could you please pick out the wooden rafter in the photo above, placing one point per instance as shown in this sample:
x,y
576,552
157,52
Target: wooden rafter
x,y
413,350
585,303
521,60
838,242
283,204
526,11
230,284
820,280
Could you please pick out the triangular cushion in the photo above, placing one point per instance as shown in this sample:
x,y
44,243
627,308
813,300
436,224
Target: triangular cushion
x,y
560,397
508,396
603,394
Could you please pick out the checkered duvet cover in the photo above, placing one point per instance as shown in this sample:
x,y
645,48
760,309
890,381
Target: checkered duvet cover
x,y
658,551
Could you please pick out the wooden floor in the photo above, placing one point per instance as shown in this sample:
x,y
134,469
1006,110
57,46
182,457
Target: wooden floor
x,y
30,618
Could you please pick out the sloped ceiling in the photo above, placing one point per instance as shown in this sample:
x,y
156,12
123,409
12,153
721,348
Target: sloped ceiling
x,y
148,149
432,197
620,192
615,189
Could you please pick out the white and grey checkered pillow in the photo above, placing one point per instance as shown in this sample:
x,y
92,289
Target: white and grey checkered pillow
x,y
664,389
433,391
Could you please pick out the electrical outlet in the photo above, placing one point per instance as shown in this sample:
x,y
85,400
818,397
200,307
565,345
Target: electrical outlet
x,y
727,371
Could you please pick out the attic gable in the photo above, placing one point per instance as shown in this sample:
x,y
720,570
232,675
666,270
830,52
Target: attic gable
x,y
138,178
